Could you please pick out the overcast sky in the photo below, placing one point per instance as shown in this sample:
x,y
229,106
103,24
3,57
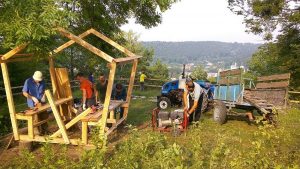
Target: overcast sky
x,y
197,20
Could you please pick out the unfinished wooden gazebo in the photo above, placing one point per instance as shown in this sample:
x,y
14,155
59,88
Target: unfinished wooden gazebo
x,y
61,99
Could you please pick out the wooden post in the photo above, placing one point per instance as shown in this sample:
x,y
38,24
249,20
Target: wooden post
x,y
84,132
107,98
58,119
10,100
130,86
30,127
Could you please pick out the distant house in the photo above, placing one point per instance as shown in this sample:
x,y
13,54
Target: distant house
x,y
212,75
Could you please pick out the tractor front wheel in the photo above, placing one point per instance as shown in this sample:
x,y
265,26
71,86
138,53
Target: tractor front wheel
x,y
164,103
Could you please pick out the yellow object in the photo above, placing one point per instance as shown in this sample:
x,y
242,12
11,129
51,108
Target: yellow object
x,y
142,77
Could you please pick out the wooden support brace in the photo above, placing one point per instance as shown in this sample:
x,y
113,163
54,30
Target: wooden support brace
x,y
13,52
86,45
71,42
73,121
115,125
57,117
10,100
111,42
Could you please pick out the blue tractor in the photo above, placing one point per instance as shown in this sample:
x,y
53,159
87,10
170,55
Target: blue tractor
x,y
171,94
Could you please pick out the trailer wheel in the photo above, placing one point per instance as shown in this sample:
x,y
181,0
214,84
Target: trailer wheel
x,y
164,103
204,103
220,112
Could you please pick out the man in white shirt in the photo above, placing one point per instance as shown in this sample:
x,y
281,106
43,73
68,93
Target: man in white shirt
x,y
192,100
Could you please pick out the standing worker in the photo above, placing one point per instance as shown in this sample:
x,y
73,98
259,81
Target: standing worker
x,y
192,100
119,93
86,86
34,90
101,86
142,81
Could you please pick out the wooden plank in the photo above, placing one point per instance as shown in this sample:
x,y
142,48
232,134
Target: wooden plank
x,y
43,121
130,86
86,45
71,42
233,72
282,84
53,78
16,60
294,92
115,125
113,43
229,80
57,117
21,55
285,76
64,90
10,100
107,98
73,121
96,116
52,140
294,101
13,51
126,60
47,106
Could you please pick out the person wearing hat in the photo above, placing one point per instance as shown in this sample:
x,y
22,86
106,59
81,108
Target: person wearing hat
x,y
192,100
34,90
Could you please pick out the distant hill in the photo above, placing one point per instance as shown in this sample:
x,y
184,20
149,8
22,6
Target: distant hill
x,y
222,54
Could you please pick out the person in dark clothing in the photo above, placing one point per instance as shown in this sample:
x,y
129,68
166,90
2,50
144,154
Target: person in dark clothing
x,y
101,86
119,93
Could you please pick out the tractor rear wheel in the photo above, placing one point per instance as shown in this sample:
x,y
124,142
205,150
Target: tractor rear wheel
x,y
164,103
220,112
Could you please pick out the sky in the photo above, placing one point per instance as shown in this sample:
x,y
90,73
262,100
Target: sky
x,y
197,20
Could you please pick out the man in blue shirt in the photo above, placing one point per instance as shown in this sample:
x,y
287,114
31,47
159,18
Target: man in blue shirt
x,y
34,90
119,93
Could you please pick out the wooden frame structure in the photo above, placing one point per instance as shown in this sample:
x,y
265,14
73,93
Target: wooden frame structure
x,y
61,100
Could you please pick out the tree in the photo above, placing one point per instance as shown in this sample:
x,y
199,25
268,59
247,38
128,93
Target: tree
x,y
265,16
34,21
158,71
199,73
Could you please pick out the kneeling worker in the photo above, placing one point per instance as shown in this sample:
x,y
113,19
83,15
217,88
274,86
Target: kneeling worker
x,y
192,100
